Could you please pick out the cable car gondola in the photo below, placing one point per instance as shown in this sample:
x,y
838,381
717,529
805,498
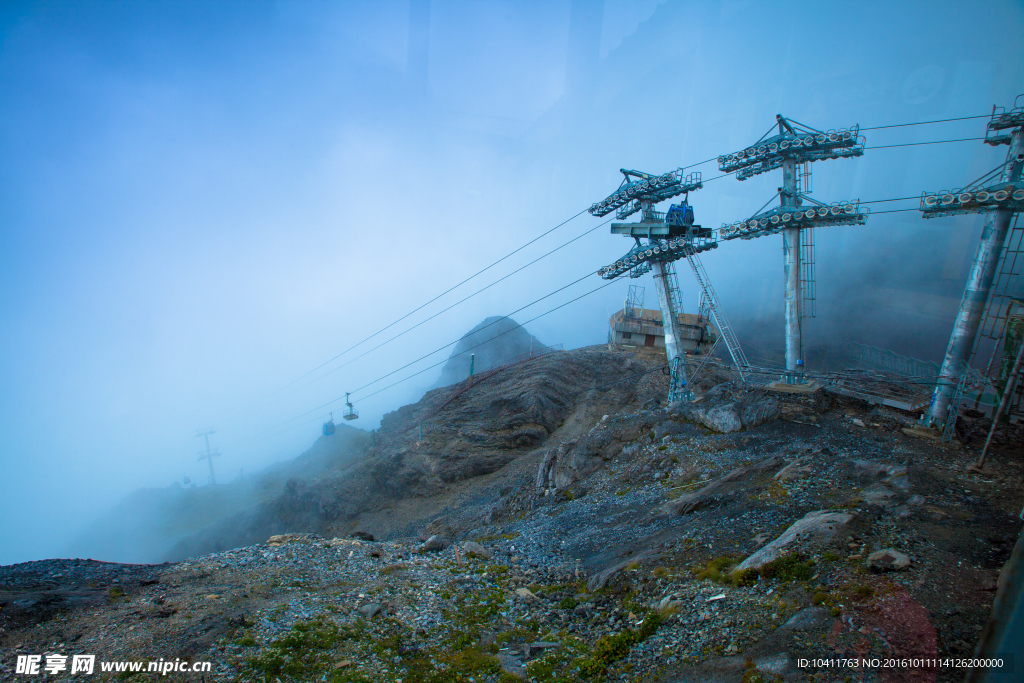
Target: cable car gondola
x,y
329,426
350,412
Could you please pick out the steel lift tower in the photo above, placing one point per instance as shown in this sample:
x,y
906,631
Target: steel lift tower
x,y
667,237
210,453
999,194
793,144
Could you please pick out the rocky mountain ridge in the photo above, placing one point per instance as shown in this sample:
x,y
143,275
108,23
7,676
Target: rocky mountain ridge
x,y
555,523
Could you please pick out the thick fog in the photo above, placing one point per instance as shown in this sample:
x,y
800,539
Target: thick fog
x,y
205,203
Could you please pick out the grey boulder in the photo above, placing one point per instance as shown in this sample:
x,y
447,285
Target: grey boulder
x,y
888,560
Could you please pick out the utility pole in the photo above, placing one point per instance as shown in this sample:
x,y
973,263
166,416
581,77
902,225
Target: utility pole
x,y
999,201
210,454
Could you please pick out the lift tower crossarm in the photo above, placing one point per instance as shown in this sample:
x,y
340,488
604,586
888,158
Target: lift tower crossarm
x,y
632,194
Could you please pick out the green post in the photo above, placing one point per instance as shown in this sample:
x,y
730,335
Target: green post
x,y
472,359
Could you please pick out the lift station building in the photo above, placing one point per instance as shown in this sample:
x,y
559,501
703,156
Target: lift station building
x,y
633,328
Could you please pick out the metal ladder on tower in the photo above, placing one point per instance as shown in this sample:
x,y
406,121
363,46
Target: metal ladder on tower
x,y
954,409
677,366
715,308
1008,273
672,285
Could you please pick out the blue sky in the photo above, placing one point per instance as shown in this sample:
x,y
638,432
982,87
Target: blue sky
x,y
204,201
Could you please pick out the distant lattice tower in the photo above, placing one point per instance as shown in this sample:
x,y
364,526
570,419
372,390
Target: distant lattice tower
x,y
210,454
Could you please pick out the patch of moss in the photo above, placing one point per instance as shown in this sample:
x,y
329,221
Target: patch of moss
x,y
246,640
516,635
743,577
792,567
609,649
716,569
863,592
302,654
567,603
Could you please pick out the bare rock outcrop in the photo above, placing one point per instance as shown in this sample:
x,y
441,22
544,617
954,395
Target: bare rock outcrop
x,y
574,460
730,407
814,528
735,480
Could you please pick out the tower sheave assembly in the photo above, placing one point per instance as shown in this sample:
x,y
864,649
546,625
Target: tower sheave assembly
x,y
667,237
793,144
999,195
